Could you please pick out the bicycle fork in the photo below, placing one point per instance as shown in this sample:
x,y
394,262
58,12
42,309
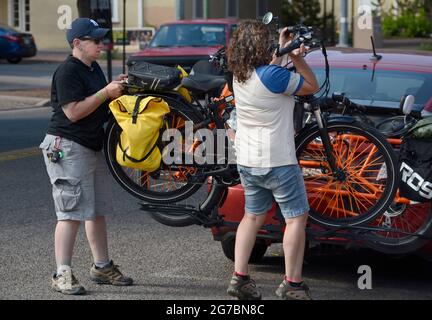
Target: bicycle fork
x,y
328,148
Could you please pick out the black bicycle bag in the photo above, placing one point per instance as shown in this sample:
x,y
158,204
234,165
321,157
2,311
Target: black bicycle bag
x,y
415,160
153,77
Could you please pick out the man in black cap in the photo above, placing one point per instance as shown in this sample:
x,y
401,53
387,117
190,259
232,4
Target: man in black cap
x,y
72,152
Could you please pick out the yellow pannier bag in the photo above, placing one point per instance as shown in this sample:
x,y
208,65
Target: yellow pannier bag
x,y
141,118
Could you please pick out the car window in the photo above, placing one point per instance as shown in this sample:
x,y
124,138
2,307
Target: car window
x,y
385,86
195,35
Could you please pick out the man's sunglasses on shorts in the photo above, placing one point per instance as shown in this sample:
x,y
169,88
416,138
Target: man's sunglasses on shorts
x,y
96,41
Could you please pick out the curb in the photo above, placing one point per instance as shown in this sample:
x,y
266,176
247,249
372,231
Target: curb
x,y
10,103
43,103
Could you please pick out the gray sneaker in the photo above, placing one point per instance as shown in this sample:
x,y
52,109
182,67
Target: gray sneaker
x,y
243,289
66,283
289,292
109,275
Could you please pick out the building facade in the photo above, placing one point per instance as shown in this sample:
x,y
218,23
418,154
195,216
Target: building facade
x,y
46,19
242,9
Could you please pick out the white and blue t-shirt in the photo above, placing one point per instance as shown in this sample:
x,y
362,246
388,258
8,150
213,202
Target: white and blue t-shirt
x,y
265,108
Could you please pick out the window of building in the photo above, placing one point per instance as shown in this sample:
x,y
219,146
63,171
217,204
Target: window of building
x,y
27,15
232,8
262,8
198,9
16,14
19,14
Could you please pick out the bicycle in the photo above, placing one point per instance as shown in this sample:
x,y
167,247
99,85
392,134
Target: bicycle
x,y
340,158
405,226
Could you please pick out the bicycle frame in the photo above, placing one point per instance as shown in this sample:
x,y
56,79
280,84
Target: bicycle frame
x,y
395,142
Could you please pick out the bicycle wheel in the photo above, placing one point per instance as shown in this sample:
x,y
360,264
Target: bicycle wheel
x,y
205,199
413,222
394,126
166,185
368,181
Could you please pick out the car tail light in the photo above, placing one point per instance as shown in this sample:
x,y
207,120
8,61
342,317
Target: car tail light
x,y
427,110
428,106
11,38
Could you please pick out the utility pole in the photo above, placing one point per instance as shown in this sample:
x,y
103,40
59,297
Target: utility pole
x,y
180,10
343,32
124,37
101,12
325,20
333,27
205,4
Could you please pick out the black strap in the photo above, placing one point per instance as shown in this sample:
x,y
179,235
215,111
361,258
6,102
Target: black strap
x,y
133,159
136,109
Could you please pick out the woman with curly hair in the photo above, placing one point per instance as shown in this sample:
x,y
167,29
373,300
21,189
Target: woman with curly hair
x,y
266,157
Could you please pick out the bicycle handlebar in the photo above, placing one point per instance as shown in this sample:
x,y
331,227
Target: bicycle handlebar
x,y
292,46
341,98
303,34
327,103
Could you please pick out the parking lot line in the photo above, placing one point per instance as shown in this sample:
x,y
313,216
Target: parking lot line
x,y
19,154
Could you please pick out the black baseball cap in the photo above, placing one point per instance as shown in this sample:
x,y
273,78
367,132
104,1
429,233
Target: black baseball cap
x,y
85,27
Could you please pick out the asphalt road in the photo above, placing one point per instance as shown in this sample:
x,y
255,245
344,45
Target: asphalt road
x,y
165,262
24,128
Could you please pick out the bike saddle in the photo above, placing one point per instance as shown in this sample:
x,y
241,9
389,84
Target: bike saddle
x,y
203,83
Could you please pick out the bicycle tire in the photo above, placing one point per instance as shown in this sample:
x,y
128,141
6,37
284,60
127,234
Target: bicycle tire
x,y
215,194
257,254
322,182
415,219
392,127
127,183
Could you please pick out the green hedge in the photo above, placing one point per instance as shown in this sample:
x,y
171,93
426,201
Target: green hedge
x,y
408,24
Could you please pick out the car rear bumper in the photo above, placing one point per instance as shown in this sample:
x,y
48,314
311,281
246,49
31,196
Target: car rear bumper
x,y
26,52
232,212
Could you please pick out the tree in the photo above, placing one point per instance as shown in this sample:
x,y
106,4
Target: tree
x,y
297,11
308,13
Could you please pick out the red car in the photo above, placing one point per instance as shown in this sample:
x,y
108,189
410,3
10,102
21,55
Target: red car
x,y
187,41
377,84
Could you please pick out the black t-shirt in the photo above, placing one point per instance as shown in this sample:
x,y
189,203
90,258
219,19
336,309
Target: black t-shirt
x,y
74,81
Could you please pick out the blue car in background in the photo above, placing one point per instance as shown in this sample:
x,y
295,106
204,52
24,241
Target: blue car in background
x,y
15,45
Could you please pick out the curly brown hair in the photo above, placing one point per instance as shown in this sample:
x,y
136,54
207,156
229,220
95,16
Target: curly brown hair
x,y
249,49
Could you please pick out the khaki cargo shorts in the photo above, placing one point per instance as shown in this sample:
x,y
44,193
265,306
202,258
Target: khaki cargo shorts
x,y
81,185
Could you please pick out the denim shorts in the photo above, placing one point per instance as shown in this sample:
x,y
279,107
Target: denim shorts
x,y
81,185
285,184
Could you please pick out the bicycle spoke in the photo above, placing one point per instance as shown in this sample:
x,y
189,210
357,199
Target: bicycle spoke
x,y
355,198
372,163
362,183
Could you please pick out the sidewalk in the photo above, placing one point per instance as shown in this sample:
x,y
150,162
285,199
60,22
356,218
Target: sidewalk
x,y
57,56
8,103
34,98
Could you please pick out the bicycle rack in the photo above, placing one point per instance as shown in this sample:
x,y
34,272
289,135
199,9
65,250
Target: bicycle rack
x,y
212,219
361,234
206,220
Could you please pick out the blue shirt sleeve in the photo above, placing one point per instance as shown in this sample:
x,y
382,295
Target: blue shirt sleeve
x,y
278,79
275,78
